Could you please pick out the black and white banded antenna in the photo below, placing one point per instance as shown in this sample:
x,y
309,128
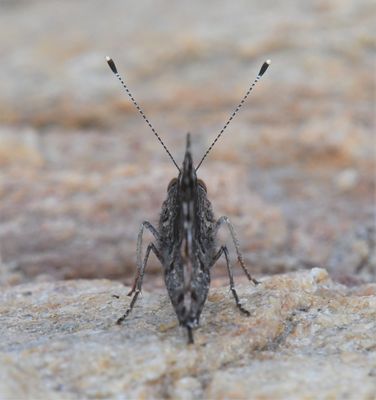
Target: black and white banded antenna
x,y
263,68
112,65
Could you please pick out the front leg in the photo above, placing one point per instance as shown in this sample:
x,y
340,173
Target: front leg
x,y
224,250
138,282
225,221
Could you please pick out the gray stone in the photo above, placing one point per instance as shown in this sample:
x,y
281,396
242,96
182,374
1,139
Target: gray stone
x,y
307,337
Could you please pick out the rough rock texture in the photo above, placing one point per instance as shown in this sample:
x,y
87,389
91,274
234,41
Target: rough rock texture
x,y
307,337
79,170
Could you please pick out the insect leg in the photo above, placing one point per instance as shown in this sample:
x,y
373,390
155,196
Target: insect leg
x,y
224,250
138,281
150,228
225,221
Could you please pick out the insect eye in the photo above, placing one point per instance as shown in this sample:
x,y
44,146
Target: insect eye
x,y
202,184
172,183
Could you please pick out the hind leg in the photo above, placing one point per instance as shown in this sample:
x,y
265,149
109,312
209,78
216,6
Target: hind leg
x,y
223,250
225,221
138,281
151,229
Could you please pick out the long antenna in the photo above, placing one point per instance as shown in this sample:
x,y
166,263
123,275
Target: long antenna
x,y
263,68
112,65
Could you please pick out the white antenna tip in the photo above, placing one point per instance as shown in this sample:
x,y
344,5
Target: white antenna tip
x,y
111,64
268,61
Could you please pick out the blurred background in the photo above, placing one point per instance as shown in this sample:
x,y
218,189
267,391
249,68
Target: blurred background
x,y
80,170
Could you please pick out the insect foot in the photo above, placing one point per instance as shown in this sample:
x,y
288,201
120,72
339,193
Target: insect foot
x,y
185,242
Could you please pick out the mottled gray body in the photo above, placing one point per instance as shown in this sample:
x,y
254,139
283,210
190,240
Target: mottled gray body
x,y
187,243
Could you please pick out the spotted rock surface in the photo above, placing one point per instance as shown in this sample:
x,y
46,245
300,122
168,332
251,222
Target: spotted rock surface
x,y
307,337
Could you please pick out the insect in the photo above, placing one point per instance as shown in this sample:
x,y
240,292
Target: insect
x,y
185,241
